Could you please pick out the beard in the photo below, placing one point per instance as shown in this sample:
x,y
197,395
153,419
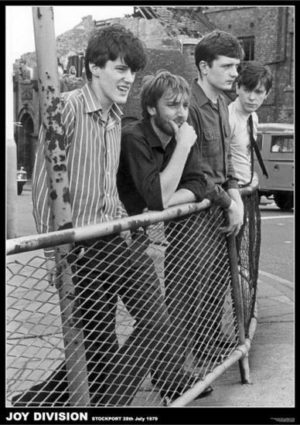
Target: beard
x,y
163,125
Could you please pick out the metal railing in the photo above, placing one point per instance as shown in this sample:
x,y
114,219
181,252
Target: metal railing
x,y
161,306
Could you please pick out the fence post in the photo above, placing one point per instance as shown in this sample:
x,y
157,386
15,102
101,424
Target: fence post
x,y
238,306
50,106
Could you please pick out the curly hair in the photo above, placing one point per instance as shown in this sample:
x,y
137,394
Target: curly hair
x,y
112,42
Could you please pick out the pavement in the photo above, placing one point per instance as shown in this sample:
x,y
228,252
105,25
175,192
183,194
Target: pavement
x,y
272,353
271,356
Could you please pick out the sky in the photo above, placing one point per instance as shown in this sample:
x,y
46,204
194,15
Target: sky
x,y
19,24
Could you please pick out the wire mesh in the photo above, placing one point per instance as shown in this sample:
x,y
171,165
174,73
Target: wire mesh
x,y
248,246
155,307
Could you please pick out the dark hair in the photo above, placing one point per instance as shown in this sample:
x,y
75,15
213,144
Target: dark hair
x,y
217,43
253,73
154,86
112,42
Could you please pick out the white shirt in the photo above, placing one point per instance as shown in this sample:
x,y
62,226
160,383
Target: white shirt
x,y
240,142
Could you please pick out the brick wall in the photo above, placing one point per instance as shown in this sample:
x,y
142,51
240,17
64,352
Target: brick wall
x,y
272,28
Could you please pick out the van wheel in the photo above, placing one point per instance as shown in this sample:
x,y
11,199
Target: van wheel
x,y
285,201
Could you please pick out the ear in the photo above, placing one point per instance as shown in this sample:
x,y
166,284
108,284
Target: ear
x,y
151,110
95,70
203,66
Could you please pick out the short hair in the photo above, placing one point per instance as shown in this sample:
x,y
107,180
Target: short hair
x,y
112,42
253,73
154,86
217,43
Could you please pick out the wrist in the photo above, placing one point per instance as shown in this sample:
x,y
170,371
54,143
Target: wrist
x,y
184,146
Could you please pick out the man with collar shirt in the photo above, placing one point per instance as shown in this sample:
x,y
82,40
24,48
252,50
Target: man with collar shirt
x,y
217,56
160,167
92,121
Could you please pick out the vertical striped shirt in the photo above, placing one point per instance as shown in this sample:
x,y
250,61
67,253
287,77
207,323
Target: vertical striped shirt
x,y
92,151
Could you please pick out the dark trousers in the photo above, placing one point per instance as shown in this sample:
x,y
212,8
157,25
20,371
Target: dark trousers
x,y
196,278
105,271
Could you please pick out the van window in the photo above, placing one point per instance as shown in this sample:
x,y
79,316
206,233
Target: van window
x,y
282,144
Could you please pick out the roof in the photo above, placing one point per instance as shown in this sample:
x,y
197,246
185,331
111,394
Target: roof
x,y
276,127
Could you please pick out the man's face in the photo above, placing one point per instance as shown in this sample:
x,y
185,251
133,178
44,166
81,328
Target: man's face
x,y
170,108
251,100
222,73
114,81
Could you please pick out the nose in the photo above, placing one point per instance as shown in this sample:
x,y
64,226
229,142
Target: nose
x,y
182,111
234,72
251,95
130,76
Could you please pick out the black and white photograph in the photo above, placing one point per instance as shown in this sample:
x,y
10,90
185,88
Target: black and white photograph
x,y
150,248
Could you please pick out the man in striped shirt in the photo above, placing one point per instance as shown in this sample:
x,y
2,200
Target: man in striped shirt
x,y
92,121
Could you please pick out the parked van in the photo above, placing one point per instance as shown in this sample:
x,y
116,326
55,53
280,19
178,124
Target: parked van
x,y
276,144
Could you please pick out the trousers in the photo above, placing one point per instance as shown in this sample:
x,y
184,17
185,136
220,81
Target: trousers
x,y
105,272
196,278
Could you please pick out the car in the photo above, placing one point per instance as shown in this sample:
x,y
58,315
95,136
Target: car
x,y
21,179
276,144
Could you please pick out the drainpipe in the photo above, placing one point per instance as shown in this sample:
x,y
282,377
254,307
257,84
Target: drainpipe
x,y
50,107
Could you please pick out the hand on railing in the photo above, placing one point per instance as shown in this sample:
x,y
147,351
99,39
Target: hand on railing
x,y
235,214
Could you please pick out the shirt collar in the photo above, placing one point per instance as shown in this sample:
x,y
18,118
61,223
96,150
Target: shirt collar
x,y
93,104
201,97
199,94
239,109
151,136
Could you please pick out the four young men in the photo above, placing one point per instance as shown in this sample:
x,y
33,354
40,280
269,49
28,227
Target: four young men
x,y
164,161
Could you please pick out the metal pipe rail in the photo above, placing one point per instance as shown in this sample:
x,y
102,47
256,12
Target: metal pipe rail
x,y
46,240
183,254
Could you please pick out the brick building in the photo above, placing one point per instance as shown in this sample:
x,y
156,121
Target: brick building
x,y
267,34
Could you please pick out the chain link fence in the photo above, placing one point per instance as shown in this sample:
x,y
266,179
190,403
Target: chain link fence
x,y
153,311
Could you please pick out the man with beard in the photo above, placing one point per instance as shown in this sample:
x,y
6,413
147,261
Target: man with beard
x,y
160,167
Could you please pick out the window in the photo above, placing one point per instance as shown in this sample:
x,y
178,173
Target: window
x,y
247,44
282,144
76,61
